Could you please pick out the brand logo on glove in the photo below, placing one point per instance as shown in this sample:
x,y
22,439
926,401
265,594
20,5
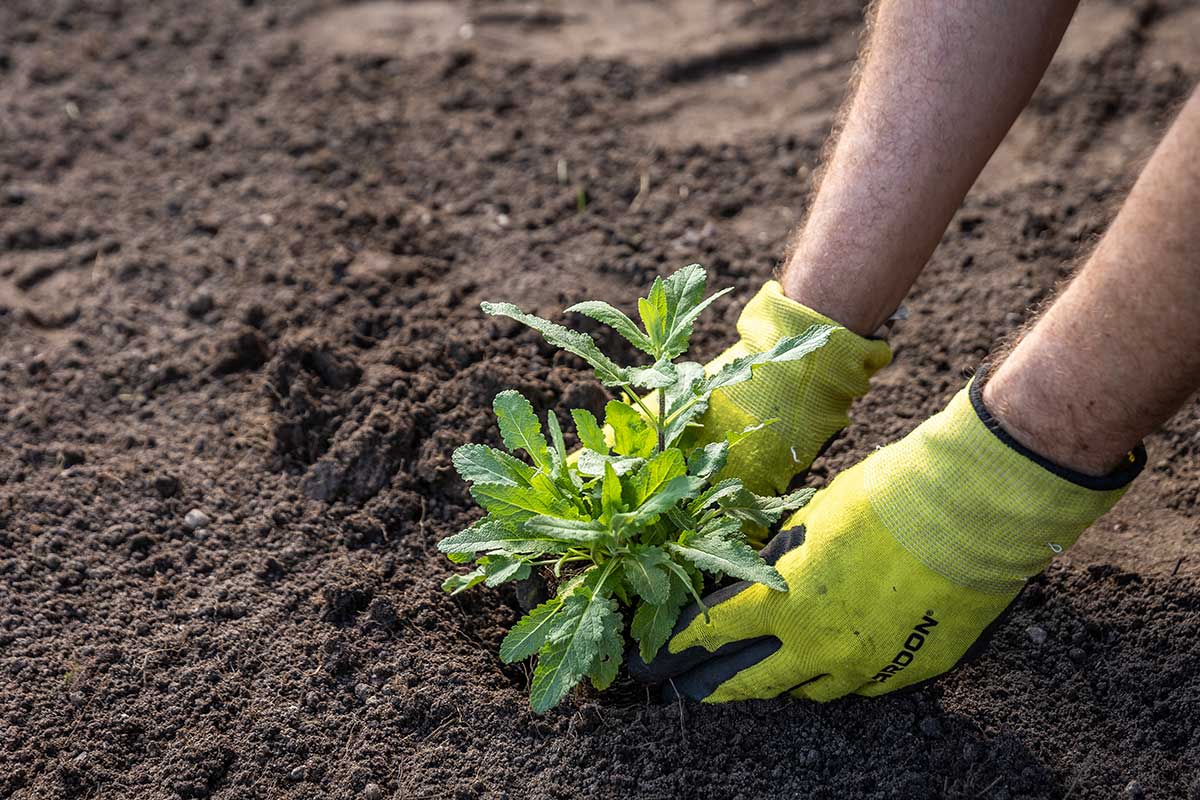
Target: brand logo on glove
x,y
914,642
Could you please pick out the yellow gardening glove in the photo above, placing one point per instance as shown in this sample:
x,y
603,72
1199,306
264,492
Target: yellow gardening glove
x,y
810,397
894,570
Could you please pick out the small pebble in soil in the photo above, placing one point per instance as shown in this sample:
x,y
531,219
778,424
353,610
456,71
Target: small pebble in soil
x,y
1076,655
1133,791
931,727
195,519
362,691
298,773
1037,634
166,486
200,304
373,791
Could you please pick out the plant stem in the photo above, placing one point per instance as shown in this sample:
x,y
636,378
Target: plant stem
x,y
608,569
681,409
637,400
687,582
660,423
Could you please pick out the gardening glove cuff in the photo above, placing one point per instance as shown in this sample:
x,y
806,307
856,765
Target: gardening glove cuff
x,y
975,506
894,570
810,397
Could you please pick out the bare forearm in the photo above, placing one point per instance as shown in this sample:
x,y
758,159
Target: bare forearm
x,y
1119,351
941,83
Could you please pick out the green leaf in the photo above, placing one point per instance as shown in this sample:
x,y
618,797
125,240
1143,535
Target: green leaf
x,y
609,653
615,319
764,511
517,503
645,569
558,451
656,376
519,427
683,305
789,348
502,569
528,635
653,311
489,535
578,531
653,475
708,460
590,435
610,494
685,287
715,553
633,435
685,400
478,463
724,488
460,583
580,344
591,463
683,487
572,645
652,624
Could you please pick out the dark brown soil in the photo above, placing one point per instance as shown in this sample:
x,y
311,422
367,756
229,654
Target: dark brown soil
x,y
241,250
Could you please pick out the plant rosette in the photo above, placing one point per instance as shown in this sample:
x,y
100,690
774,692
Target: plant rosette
x,y
631,522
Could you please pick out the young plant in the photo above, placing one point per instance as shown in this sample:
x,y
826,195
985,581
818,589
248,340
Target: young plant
x,y
632,519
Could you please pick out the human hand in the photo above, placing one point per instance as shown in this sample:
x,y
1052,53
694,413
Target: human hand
x,y
808,399
894,570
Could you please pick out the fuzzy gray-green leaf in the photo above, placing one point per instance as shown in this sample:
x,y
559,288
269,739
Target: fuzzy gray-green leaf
x,y
580,344
646,571
516,503
681,488
790,348
558,449
719,555
460,583
578,531
490,535
591,463
502,569
759,510
528,635
478,463
571,647
685,400
588,429
609,653
656,376
684,291
708,460
652,624
519,427
617,320
725,488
